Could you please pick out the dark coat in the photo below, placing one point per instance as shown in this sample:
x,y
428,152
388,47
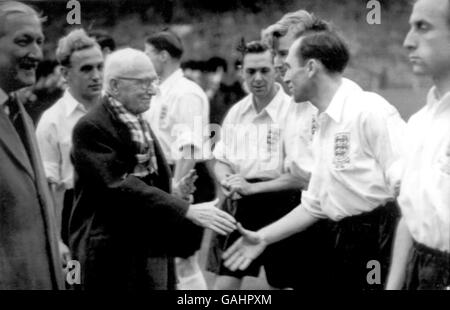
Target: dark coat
x,y
124,230
29,256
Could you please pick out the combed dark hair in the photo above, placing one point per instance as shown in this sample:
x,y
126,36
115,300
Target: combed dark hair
x,y
316,26
167,41
253,47
327,47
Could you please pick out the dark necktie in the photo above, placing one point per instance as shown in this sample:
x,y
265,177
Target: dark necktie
x,y
12,108
18,124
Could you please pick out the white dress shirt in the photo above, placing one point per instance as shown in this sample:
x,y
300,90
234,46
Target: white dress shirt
x,y
425,191
54,136
252,143
179,117
301,124
356,149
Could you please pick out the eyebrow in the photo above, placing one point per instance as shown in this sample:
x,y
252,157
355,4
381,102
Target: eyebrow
x,y
29,35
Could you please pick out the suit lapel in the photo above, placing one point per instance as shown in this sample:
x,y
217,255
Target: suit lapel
x,y
44,196
13,144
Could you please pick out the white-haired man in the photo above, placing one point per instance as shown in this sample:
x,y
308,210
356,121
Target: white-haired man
x,y
126,227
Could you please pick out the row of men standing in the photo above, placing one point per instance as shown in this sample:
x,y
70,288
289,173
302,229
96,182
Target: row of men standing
x,y
352,149
360,165
122,212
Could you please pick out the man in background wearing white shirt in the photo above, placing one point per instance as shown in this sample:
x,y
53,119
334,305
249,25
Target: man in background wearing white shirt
x,y
81,63
179,115
249,165
421,258
355,149
301,123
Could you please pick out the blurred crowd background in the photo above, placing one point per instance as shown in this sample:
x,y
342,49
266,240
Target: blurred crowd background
x,y
211,31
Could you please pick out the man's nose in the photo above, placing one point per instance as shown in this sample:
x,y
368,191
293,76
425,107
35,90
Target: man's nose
x,y
152,90
36,52
258,75
287,77
97,74
410,41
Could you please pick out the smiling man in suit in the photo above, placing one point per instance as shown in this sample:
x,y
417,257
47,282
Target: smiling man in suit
x,y
28,240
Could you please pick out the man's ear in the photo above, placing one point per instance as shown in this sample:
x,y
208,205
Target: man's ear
x,y
114,86
312,67
64,72
164,56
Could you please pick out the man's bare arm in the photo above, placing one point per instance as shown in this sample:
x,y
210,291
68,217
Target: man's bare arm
x,y
402,247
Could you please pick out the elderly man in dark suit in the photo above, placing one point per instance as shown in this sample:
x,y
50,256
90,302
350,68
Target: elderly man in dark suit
x,y
28,240
125,228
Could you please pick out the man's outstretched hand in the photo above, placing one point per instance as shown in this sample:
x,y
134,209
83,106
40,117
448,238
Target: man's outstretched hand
x,y
207,215
244,250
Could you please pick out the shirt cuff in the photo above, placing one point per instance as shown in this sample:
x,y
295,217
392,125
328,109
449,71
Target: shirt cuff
x,y
312,206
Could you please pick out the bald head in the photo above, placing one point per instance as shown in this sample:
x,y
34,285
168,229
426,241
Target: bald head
x,y
127,62
11,8
131,79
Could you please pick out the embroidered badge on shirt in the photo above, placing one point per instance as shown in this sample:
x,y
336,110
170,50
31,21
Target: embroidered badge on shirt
x,y
341,150
162,115
313,125
273,135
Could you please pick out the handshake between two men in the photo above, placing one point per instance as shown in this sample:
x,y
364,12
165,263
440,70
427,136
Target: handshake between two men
x,y
208,215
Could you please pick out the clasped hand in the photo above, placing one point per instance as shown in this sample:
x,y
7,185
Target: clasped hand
x,y
207,215
244,250
234,185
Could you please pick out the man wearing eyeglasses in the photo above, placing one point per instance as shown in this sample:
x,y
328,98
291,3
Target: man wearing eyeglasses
x,y
126,227
179,114
81,63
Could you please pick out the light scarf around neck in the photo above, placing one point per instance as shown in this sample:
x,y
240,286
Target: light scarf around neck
x,y
140,135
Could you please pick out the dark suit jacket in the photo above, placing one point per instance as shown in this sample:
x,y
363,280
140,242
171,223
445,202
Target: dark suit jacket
x,y
29,256
123,229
